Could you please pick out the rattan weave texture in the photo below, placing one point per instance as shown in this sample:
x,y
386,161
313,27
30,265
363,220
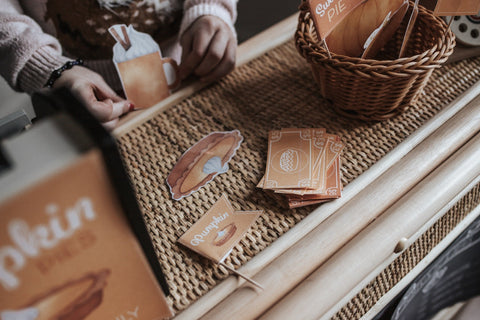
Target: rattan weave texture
x,y
273,91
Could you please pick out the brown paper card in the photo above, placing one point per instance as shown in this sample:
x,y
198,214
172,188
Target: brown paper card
x,y
456,7
68,251
333,149
289,159
327,14
144,80
332,190
219,230
303,203
319,164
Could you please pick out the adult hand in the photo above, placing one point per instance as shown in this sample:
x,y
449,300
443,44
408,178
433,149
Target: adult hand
x,y
208,49
93,92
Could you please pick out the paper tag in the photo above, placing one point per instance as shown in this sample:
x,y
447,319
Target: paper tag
x,y
327,14
456,7
219,230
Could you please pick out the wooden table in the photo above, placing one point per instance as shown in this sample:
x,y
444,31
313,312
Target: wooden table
x,y
381,213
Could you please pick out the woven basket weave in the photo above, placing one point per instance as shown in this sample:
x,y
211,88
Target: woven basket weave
x,y
382,88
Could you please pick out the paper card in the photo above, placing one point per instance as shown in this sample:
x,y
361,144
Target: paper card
x,y
333,188
261,183
289,159
327,14
201,163
219,230
147,77
333,149
303,203
318,156
456,7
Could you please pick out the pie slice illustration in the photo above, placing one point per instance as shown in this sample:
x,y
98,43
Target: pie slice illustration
x,y
202,162
73,300
225,234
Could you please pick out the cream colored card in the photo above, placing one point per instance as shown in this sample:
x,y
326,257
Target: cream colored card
x,y
219,230
289,159
327,14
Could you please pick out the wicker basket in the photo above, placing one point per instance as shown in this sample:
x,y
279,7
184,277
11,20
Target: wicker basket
x,y
381,88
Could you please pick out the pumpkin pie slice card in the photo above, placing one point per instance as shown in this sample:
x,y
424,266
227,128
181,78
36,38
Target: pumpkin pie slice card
x,y
219,230
289,159
201,163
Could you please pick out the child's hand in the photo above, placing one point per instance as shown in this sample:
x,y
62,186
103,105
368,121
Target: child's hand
x,y
92,91
208,49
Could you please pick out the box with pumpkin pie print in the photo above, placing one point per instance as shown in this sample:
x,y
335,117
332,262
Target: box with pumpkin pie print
x,y
67,246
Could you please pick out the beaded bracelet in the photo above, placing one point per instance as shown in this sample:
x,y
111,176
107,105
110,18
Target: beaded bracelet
x,y
58,72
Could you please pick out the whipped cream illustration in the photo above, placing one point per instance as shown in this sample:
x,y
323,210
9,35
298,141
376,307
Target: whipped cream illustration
x,y
24,314
214,165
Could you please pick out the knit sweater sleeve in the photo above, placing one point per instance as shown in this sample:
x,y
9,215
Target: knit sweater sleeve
x,y
223,9
27,54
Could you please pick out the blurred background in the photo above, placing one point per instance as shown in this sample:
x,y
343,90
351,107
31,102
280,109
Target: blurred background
x,y
257,15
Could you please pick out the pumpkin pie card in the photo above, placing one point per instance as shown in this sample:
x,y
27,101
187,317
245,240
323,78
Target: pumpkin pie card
x,y
219,230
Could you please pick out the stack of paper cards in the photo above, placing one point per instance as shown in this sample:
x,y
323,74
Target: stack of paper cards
x,y
303,166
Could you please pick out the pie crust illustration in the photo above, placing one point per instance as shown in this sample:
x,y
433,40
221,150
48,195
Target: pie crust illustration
x,y
202,162
225,234
73,300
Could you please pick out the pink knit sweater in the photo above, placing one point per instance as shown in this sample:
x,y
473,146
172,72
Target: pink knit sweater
x,y
38,36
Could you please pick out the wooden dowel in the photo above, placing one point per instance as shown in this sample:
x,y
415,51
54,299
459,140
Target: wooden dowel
x,y
241,275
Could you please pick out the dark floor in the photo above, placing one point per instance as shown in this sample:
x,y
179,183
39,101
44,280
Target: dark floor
x,y
257,15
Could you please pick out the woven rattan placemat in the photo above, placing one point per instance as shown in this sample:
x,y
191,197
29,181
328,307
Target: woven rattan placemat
x,y
273,91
